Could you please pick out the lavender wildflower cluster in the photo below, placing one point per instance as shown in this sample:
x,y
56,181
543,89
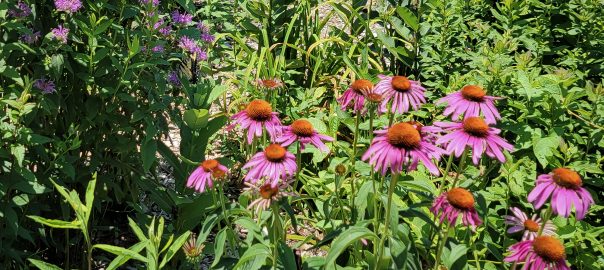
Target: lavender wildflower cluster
x,y
69,6
22,10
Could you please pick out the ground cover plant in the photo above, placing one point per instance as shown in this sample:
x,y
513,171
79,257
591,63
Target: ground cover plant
x,y
283,134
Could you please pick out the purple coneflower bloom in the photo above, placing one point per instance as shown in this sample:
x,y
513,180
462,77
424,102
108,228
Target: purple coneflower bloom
x,y
470,101
256,116
457,201
69,6
274,163
181,18
543,252
267,194
47,86
475,133
403,144
529,226
31,38
173,78
60,33
402,91
22,10
204,175
564,186
354,96
302,131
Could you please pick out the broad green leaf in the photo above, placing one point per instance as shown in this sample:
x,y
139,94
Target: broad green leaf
x,y
196,118
44,265
122,259
174,248
344,240
120,251
55,223
408,16
254,257
89,198
545,148
215,93
148,151
137,230
219,244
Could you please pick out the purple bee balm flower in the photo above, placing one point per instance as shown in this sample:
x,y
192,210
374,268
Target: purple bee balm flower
x,y
21,10
475,133
31,38
203,176
564,186
190,46
47,86
154,3
354,96
162,27
529,226
203,28
403,92
302,131
274,163
158,49
455,203
173,78
69,6
256,117
60,33
470,101
543,252
207,37
403,144
181,18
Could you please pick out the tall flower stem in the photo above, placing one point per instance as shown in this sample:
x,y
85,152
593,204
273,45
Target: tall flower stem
x,y
461,167
225,213
441,246
276,224
445,174
298,163
548,215
385,236
353,159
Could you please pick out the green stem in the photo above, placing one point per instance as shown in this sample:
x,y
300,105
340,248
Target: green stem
x,y
447,169
441,246
548,215
276,233
461,167
385,236
298,163
353,159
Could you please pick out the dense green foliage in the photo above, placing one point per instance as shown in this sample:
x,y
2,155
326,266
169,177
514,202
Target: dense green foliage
x,y
109,118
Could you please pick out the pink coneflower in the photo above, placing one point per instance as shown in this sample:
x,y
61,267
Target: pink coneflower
x,y
402,144
60,33
470,101
269,84
256,116
475,133
456,202
274,163
403,92
47,86
301,130
543,252
192,249
267,194
529,226
565,188
204,175
69,6
354,96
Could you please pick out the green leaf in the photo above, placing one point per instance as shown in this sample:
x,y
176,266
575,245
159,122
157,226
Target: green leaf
x,y
544,148
89,197
44,265
215,93
120,251
344,240
453,256
286,256
148,150
18,152
122,259
174,248
408,16
55,223
137,230
219,246
258,253
196,118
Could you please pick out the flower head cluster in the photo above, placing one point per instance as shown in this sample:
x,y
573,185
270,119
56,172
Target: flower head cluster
x,y
273,164
267,194
528,226
257,116
303,132
190,46
403,93
162,27
174,79
206,36
31,38
60,33
542,252
471,101
454,203
204,176
21,10
69,6
47,86
181,18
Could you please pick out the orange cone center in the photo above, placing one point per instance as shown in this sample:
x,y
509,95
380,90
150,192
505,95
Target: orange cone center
x,y
531,225
302,128
403,135
567,178
375,97
401,83
268,192
473,93
475,126
209,165
460,198
259,110
361,86
218,173
274,152
269,83
549,248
